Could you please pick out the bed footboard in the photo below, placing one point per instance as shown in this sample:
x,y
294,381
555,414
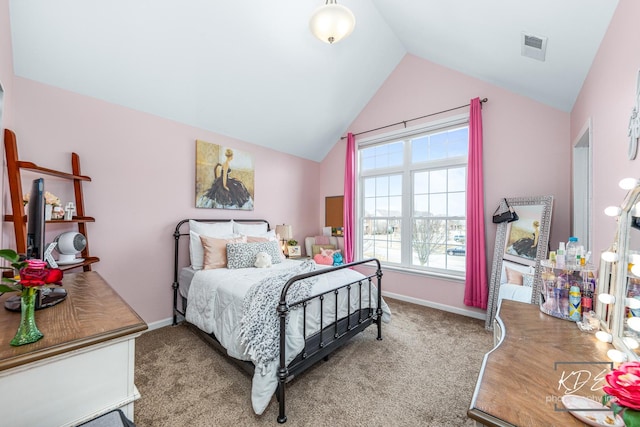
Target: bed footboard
x,y
337,333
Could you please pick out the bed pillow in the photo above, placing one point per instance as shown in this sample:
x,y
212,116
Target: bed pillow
x,y
250,229
329,252
215,251
213,229
315,249
514,276
269,236
243,255
323,259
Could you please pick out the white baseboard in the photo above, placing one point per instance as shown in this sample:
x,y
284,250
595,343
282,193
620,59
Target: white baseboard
x,y
160,324
443,307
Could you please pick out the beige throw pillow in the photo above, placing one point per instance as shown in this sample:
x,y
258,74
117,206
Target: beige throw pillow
x,y
315,249
514,277
215,250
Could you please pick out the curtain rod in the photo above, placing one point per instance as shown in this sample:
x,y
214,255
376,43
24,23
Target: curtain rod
x,y
404,122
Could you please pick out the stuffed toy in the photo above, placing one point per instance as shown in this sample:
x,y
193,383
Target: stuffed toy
x,y
328,257
263,260
337,258
323,259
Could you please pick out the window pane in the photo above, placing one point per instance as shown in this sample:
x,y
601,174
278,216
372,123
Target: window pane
x,y
457,204
369,187
438,204
382,186
420,205
395,185
382,234
382,156
369,206
435,224
459,142
395,206
440,145
419,149
457,179
427,237
438,181
421,183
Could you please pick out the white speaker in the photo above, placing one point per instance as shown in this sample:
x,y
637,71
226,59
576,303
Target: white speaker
x,y
68,245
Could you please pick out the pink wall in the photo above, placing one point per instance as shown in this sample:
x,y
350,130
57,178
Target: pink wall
x,y
525,153
143,173
607,97
6,55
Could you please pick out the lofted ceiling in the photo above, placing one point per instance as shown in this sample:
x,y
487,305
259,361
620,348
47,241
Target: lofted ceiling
x,y
250,69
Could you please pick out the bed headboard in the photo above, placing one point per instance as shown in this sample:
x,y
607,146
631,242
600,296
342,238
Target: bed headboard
x,y
182,230
179,233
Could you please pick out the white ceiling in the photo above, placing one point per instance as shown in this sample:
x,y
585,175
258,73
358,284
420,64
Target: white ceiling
x,y
250,69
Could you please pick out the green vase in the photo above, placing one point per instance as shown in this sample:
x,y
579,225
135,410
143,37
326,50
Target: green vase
x,y
28,331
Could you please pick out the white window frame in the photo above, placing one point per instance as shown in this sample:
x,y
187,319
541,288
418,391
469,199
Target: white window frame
x,y
407,133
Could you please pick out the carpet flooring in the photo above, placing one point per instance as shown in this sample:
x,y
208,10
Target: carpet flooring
x,y
422,373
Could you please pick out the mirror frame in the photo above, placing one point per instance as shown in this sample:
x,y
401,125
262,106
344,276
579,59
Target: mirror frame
x,y
619,272
499,251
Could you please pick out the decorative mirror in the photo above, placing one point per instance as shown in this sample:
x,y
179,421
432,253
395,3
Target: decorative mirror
x,y
624,261
520,246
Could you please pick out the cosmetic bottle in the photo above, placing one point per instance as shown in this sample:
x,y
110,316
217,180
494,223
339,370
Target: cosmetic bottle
x,y
560,256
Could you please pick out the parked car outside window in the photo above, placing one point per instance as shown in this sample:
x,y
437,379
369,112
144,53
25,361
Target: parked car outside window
x,y
456,251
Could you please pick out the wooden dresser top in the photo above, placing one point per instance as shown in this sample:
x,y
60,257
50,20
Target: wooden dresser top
x,y
91,313
539,359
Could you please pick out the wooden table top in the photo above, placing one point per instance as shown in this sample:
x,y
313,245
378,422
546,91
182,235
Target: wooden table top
x,y
91,313
539,359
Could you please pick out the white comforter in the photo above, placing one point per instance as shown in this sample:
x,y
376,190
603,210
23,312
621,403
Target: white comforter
x,y
215,304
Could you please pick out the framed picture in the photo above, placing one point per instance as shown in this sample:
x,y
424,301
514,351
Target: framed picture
x,y
294,251
224,177
522,237
524,242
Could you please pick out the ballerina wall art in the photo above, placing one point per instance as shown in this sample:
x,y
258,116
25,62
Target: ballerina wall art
x,y
224,177
523,235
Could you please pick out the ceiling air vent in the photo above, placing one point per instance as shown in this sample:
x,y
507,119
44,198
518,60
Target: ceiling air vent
x,y
534,46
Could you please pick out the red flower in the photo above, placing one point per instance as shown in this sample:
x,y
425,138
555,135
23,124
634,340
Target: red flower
x,y
33,277
624,385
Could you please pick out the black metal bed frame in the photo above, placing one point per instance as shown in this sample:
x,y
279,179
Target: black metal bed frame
x,y
317,346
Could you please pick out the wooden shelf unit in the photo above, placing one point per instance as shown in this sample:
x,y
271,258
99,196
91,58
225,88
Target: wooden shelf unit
x,y
18,217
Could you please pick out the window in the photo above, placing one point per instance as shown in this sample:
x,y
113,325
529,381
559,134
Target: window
x,y
412,198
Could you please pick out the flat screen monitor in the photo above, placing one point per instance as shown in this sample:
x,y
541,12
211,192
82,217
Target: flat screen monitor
x,y
46,297
36,220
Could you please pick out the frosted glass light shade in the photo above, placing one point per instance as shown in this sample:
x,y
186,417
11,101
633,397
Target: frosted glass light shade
x,y
617,355
606,298
635,270
332,22
632,343
628,183
613,211
604,336
632,303
609,256
634,323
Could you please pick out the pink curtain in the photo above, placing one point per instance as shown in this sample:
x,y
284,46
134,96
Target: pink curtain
x,y
349,198
476,286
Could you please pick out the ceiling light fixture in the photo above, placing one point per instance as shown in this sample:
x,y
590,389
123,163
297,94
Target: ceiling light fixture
x,y
332,22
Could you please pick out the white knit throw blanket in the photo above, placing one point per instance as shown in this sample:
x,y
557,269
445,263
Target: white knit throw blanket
x,y
260,324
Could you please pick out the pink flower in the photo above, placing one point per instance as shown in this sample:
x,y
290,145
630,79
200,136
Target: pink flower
x,y
36,274
624,385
